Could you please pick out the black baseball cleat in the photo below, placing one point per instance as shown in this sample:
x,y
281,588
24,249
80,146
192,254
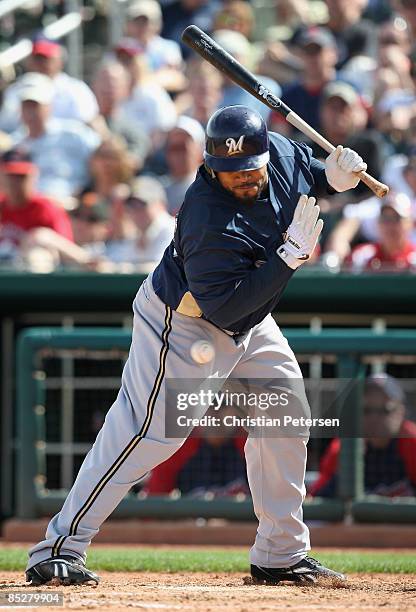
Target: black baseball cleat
x,y
309,570
65,570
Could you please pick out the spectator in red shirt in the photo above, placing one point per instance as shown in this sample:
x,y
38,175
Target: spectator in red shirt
x,y
394,249
22,210
390,444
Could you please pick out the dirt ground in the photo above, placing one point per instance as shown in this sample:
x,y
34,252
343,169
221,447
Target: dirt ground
x,y
202,592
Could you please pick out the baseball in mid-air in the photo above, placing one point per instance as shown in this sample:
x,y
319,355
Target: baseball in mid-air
x,y
202,351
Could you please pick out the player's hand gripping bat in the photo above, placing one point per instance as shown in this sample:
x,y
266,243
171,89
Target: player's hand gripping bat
x,y
218,57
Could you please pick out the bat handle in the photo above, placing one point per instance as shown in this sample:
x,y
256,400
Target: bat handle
x,y
378,188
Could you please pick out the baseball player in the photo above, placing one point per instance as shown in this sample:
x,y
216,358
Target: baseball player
x,y
247,223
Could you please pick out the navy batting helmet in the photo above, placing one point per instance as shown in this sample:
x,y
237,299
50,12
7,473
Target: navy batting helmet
x,y
236,139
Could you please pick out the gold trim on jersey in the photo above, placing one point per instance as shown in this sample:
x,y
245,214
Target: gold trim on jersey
x,y
188,306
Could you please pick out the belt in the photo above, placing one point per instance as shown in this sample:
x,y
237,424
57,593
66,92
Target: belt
x,y
189,307
230,333
238,336
226,331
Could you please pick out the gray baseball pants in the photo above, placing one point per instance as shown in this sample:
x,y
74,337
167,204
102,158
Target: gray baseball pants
x,y
132,440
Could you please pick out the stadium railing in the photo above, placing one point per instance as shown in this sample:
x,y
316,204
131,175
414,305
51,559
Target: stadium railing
x,y
66,26
347,348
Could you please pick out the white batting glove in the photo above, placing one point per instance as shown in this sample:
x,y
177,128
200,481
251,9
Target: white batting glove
x,y
302,234
340,168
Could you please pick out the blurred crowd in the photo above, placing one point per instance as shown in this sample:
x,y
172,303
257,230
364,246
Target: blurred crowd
x,y
93,172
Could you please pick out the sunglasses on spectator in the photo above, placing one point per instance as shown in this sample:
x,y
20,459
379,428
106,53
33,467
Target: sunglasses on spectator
x,y
383,409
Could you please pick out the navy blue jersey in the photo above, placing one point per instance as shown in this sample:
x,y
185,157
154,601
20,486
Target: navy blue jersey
x,y
222,263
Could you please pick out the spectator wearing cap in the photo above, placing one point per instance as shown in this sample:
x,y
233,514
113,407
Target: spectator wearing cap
x,y
394,250
146,208
318,52
60,148
144,24
390,444
343,119
22,209
184,151
360,224
126,50
111,85
239,47
130,54
71,98
133,57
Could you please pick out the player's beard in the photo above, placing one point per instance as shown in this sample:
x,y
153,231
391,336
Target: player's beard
x,y
249,195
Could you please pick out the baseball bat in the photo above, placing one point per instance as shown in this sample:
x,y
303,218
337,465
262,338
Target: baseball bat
x,y
205,46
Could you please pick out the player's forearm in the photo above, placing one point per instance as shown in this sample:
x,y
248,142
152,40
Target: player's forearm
x,y
255,290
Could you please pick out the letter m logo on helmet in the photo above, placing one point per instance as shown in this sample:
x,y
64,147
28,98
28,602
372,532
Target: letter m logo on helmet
x,y
236,139
233,146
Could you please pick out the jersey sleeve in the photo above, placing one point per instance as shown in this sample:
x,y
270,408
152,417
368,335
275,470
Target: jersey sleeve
x,y
318,172
317,169
282,147
223,279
